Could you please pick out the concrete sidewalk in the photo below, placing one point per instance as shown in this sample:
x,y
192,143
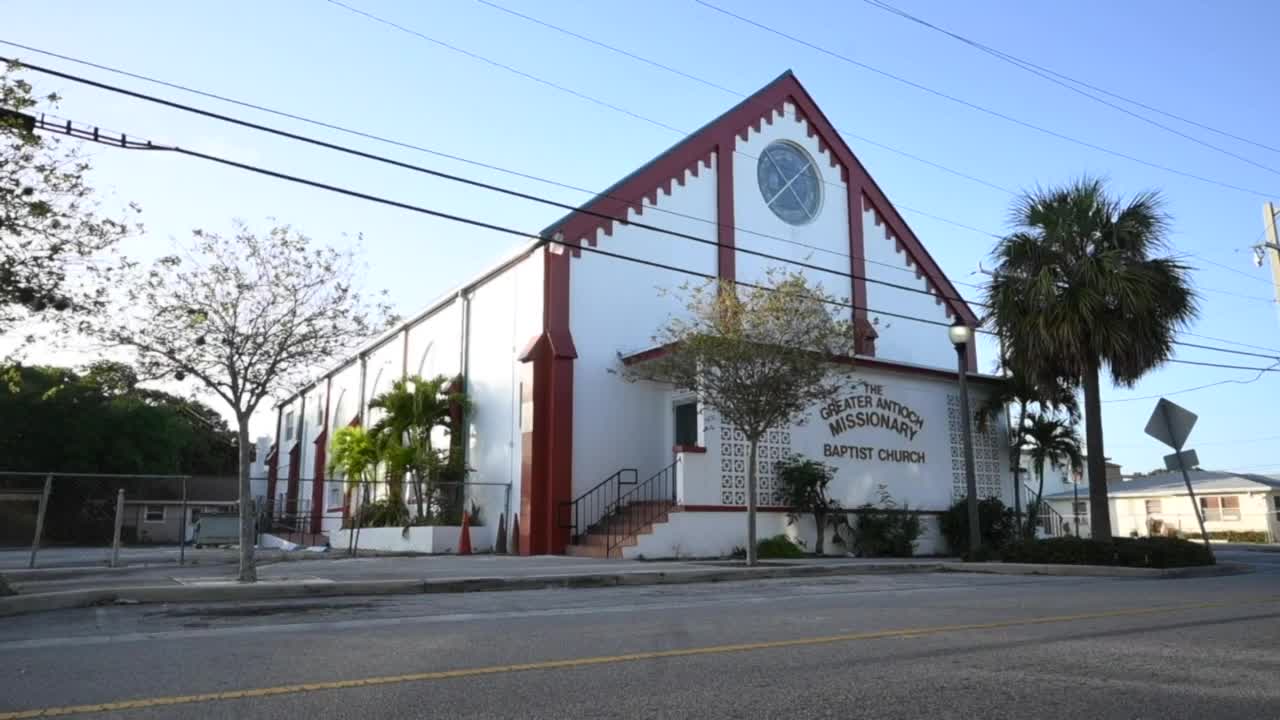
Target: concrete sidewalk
x,y
53,589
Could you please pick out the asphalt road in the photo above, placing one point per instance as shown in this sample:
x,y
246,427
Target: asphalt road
x,y
891,646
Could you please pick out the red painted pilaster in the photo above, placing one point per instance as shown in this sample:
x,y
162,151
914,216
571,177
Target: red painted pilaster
x,y
726,252
546,411
864,340
318,477
295,475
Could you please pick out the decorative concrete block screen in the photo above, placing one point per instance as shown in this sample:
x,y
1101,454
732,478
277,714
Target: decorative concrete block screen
x,y
986,454
734,453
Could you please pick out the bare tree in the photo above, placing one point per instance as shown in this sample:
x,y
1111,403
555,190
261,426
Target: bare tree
x,y
246,316
760,357
49,224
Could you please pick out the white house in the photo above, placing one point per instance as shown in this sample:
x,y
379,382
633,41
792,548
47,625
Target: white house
x,y
535,340
1157,504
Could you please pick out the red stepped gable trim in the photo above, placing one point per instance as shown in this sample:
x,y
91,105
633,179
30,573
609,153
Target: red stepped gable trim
x,y
738,122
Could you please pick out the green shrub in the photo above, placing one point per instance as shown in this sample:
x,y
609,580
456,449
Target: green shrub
x,y
1240,536
1157,552
4,588
383,513
882,531
996,522
778,546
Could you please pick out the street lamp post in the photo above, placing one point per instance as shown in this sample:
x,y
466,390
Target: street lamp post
x,y
961,335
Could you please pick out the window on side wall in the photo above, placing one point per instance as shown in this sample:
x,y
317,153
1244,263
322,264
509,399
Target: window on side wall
x,y
1220,508
1081,508
288,426
687,423
153,514
1153,507
335,496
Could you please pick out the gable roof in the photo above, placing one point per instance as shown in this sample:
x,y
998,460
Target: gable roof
x,y
695,151
1165,484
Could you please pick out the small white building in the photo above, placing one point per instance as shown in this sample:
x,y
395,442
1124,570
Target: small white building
x,y
1157,504
537,338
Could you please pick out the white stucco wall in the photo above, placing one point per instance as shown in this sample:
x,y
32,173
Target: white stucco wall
x,y
618,307
435,343
1130,514
506,313
829,231
928,477
900,339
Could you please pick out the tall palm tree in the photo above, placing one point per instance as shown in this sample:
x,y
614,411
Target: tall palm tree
x,y
1050,440
1080,287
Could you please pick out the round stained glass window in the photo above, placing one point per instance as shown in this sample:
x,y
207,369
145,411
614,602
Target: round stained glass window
x,y
789,182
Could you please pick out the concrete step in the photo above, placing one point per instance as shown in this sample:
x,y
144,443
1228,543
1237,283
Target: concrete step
x,y
595,551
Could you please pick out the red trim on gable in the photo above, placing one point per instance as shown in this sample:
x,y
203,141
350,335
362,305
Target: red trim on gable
x,y
855,362
322,447
737,123
726,253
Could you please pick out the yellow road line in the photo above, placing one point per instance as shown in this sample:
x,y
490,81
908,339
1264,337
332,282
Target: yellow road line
x,y
145,703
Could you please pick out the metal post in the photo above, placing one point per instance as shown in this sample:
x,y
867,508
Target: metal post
x,y
44,506
1186,478
115,533
970,478
182,527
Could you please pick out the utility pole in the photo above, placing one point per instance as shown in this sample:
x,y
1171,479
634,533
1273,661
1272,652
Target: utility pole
x,y
1272,244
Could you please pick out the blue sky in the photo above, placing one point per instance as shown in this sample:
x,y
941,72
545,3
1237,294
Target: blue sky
x,y
1202,60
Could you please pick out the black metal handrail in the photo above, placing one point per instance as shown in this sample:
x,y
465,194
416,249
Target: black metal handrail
x,y
589,508
640,507
1052,521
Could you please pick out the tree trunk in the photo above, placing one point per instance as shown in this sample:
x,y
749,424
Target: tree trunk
x,y
1015,450
1039,497
1099,510
751,503
248,570
819,519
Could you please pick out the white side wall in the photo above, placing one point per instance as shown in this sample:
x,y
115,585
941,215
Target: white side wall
x,y
900,339
616,307
1130,514
506,313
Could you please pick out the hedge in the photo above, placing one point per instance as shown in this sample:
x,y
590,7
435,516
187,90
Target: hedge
x,y
1152,552
1240,536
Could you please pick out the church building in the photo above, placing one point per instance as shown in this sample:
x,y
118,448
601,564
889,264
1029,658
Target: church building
x,y
592,464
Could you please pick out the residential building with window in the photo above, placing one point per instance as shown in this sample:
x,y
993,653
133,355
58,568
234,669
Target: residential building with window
x,y
536,342
1159,504
154,513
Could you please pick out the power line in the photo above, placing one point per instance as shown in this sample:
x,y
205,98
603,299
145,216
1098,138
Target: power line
x,y
487,186
489,166
1039,72
124,143
1233,342
1028,64
975,106
1260,372
468,181
477,163
518,194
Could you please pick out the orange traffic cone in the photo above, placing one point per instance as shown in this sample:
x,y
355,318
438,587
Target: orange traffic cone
x,y
464,540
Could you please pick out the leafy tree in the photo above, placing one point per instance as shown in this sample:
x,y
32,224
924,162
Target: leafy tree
x,y
997,526
414,412
246,316
1052,440
804,485
49,221
760,357
1080,287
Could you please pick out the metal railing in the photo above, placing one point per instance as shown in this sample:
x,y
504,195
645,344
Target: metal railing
x,y
1046,517
638,508
585,511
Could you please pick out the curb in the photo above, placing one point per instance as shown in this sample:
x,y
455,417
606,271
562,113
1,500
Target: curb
x,y
268,590
996,568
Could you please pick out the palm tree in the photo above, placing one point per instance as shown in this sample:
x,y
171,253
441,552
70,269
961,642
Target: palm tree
x,y
1022,395
412,410
1079,288
1052,440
